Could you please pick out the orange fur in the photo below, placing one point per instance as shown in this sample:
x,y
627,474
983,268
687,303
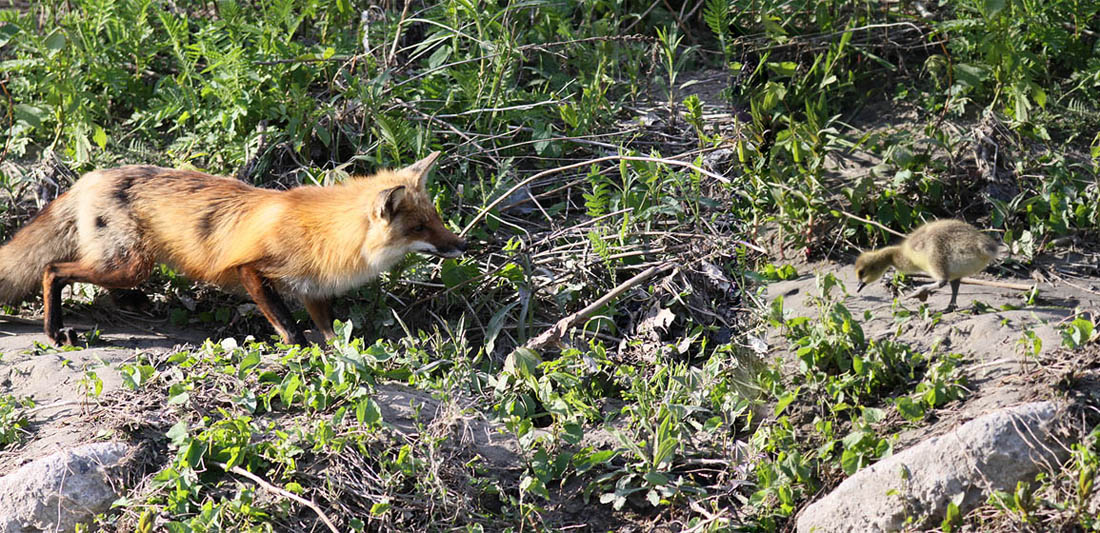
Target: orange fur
x,y
314,242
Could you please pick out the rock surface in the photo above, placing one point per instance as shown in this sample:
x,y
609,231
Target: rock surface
x,y
989,453
58,492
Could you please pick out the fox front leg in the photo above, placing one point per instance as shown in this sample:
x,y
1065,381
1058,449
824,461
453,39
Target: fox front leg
x,y
271,305
320,310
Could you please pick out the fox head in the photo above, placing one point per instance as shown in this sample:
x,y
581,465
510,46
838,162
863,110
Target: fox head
x,y
412,223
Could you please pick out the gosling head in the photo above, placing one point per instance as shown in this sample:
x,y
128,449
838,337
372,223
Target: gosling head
x,y
870,266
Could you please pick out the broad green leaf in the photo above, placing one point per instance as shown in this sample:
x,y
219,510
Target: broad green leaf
x,y
100,137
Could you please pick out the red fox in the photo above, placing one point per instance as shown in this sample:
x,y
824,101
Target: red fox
x,y
113,226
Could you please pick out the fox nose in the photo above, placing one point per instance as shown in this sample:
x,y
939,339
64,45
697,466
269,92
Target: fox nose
x,y
461,246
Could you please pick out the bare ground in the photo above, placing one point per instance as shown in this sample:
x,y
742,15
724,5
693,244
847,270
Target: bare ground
x,y
989,330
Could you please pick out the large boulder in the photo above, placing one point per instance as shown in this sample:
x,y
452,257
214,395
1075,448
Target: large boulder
x,y
965,465
57,492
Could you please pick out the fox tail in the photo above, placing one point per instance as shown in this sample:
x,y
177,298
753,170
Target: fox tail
x,y
50,236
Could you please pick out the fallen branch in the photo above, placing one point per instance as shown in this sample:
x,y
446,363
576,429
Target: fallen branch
x,y
54,405
485,210
985,283
558,330
998,284
20,320
282,492
868,221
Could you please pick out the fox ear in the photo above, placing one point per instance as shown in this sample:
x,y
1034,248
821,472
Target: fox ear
x,y
389,200
420,169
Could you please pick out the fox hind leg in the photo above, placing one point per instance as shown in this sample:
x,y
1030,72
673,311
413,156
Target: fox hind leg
x,y
121,274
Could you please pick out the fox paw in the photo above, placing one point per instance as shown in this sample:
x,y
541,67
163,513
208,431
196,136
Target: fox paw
x,y
66,337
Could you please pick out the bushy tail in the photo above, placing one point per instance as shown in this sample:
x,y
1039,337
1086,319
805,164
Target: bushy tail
x,y
49,236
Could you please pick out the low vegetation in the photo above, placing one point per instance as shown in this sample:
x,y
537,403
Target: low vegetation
x,y
710,147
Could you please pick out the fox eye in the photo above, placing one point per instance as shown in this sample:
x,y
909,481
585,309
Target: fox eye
x,y
419,228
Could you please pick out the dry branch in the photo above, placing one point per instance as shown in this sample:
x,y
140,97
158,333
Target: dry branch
x,y
986,283
555,333
485,210
20,320
282,492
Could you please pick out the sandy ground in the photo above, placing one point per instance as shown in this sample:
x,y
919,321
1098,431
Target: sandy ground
x,y
998,366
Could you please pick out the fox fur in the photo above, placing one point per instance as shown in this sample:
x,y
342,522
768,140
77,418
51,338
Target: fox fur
x,y
114,225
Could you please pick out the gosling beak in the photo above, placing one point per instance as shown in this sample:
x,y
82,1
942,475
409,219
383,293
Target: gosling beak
x,y
861,286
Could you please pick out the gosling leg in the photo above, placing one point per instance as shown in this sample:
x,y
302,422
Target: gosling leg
x,y
923,292
954,294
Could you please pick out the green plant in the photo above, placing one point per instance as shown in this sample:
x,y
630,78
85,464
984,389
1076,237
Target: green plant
x,y
1020,503
1079,332
862,446
13,420
943,383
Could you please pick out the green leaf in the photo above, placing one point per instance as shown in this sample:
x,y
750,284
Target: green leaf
x,y
873,415
583,464
784,401
656,478
324,134
180,398
951,518
367,412
178,433
455,273
29,114
970,75
534,486
522,362
909,409
850,462
193,453
7,31
290,386
100,137
653,498
248,362
783,69
439,56
56,40
990,8
496,323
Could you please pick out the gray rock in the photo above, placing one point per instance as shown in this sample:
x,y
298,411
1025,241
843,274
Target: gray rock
x,y
989,453
57,492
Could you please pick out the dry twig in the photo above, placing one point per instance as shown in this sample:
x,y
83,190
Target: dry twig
x,y
282,492
485,210
555,333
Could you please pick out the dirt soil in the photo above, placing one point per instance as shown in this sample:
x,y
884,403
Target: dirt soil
x,y
58,381
1000,370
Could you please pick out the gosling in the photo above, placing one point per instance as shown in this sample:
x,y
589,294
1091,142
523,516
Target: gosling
x,y
947,250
